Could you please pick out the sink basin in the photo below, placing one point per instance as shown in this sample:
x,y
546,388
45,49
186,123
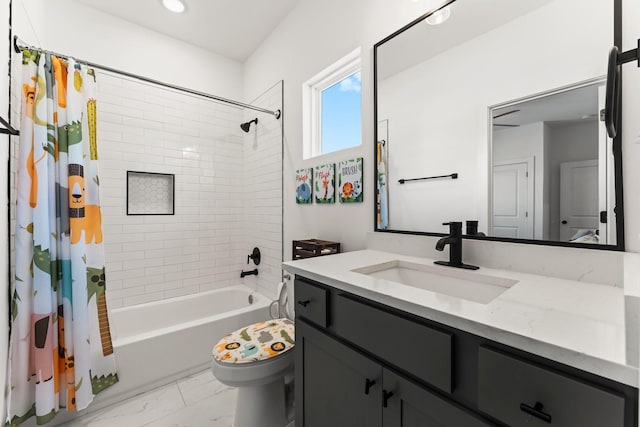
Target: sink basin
x,y
469,285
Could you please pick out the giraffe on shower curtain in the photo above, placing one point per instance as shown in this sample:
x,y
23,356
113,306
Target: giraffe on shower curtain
x,y
60,347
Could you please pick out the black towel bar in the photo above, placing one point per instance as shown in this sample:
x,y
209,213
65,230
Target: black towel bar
x,y
8,130
452,176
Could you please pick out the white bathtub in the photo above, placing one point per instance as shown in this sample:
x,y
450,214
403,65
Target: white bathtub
x,y
159,342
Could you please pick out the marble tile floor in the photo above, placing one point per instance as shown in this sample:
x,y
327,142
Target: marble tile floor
x,y
195,401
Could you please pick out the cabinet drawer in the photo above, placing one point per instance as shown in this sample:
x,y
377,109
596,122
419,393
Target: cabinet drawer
x,y
410,346
311,302
509,390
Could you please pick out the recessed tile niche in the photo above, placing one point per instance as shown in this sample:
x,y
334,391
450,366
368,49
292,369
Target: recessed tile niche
x,y
150,193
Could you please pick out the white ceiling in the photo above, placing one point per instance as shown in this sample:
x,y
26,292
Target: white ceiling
x,y
572,106
232,28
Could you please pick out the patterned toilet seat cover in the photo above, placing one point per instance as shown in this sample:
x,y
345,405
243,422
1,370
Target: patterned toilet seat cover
x,y
260,341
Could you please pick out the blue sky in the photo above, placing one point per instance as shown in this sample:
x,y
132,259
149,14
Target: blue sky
x,y
341,114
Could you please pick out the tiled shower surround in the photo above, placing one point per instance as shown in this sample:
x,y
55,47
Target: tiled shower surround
x,y
228,190
262,213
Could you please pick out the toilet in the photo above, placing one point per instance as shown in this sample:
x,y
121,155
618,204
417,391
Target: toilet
x,y
258,360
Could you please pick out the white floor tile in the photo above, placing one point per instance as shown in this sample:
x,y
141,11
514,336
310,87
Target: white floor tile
x,y
216,411
201,386
195,401
138,411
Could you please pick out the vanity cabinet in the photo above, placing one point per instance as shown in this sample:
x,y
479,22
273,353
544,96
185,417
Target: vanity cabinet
x,y
363,364
343,388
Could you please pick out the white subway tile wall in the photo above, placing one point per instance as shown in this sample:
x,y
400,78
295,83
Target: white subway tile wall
x,y
262,205
220,173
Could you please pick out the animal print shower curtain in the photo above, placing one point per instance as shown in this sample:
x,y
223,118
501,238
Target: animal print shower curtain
x,y
60,350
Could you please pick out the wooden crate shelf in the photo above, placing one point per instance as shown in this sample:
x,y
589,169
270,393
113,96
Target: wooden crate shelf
x,y
313,248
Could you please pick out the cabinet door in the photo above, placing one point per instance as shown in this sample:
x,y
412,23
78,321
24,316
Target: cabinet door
x,y
411,405
335,386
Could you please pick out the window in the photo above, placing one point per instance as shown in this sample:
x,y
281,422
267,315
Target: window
x,y
332,103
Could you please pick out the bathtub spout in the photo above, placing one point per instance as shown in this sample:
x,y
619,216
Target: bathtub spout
x,y
249,273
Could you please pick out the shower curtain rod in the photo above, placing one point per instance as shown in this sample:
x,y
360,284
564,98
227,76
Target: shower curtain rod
x,y
19,44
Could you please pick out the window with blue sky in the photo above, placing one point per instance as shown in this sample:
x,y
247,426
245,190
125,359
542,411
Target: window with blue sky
x,y
341,114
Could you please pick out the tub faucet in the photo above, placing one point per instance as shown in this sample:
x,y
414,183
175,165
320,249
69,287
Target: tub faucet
x,y
454,240
249,273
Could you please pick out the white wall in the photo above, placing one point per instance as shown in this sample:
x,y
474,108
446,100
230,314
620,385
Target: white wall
x,y
521,143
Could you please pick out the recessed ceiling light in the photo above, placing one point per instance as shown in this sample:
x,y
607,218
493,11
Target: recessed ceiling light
x,y
175,6
439,16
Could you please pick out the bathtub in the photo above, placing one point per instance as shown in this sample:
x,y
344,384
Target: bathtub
x,y
159,342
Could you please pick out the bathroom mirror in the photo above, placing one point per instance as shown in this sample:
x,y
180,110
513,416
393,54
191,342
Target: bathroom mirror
x,y
489,111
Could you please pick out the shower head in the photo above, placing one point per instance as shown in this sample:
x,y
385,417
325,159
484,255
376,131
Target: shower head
x,y
245,126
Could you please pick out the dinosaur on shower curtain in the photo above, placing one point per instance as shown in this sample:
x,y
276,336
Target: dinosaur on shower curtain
x,y
61,353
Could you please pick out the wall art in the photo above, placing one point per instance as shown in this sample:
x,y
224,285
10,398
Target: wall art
x,y
324,183
304,186
350,181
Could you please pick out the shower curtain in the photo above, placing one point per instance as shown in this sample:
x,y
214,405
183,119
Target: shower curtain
x,y
60,347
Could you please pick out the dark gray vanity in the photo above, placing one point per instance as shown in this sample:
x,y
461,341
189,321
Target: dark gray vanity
x,y
362,363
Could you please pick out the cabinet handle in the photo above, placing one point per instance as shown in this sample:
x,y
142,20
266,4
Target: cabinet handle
x,y
386,395
368,384
536,411
304,303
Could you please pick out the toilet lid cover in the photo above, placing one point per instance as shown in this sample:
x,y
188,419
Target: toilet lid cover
x,y
260,341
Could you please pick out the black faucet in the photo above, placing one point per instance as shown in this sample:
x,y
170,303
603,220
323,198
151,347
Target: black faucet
x,y
454,240
249,273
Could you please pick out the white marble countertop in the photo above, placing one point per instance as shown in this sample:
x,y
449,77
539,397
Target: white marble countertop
x,y
575,323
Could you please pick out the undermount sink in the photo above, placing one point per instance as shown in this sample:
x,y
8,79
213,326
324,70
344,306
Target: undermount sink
x,y
469,285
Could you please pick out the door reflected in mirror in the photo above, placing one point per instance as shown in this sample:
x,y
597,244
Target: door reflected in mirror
x,y
551,168
496,120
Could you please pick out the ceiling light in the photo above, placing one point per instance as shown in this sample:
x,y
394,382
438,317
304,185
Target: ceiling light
x,y
439,16
175,6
